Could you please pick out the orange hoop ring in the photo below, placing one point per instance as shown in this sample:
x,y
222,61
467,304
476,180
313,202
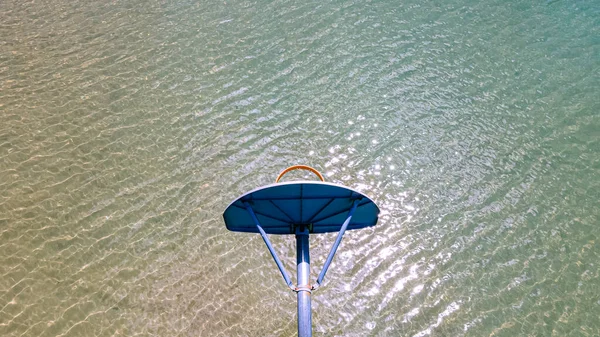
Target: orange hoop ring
x,y
299,167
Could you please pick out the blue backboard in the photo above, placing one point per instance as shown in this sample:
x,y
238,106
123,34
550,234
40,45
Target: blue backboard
x,y
282,207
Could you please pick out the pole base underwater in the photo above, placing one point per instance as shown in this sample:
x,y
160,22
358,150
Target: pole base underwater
x,y
301,208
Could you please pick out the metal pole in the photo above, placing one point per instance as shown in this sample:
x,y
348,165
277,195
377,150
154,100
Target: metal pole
x,y
303,288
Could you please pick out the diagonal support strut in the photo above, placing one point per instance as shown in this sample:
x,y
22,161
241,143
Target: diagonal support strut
x,y
336,244
286,276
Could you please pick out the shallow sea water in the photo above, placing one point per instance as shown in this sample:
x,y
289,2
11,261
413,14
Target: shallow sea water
x,y
127,127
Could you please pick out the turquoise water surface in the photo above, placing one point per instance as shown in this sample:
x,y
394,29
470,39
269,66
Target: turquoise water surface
x,y
127,127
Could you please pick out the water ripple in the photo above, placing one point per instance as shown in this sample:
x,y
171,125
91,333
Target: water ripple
x,y
126,128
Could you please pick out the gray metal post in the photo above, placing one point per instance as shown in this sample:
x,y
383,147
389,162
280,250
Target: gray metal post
x,y
303,288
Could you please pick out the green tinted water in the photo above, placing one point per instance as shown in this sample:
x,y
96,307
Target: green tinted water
x,y
127,127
